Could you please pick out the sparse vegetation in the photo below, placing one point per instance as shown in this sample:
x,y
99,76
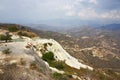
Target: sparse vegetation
x,y
33,65
26,33
6,51
12,28
90,52
22,61
59,65
14,64
59,76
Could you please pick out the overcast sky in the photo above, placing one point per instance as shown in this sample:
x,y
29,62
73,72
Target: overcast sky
x,y
37,10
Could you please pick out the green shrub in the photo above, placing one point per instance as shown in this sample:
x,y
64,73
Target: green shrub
x,y
48,56
5,37
56,64
59,76
6,51
59,65
12,28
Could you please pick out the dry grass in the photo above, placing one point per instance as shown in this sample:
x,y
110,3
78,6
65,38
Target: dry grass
x,y
26,33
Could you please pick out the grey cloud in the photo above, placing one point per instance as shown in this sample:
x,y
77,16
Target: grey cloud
x,y
35,10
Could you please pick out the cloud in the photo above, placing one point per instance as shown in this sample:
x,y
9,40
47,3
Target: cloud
x,y
69,10
70,13
92,14
93,1
114,14
36,10
87,13
67,7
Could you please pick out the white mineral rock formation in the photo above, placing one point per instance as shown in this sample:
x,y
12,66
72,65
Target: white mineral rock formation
x,y
19,48
61,54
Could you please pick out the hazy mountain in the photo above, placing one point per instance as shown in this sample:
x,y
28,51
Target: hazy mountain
x,y
62,25
111,27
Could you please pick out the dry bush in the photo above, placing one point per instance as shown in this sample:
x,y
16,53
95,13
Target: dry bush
x,y
26,33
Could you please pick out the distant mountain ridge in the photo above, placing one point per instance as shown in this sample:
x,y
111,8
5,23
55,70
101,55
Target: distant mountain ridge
x,y
111,27
65,29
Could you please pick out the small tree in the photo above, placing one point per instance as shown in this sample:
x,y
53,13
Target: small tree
x,y
5,37
2,37
8,36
